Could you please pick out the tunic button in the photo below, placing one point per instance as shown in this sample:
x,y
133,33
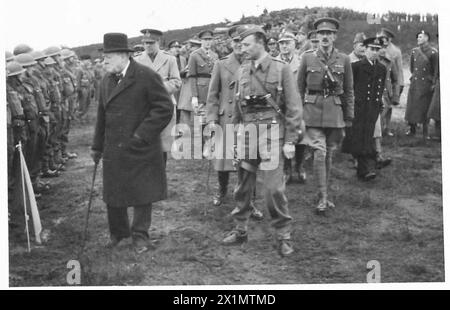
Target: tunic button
x,y
368,98
368,92
368,85
423,79
415,78
230,101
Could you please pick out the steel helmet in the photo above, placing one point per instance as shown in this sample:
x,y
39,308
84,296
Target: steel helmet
x,y
66,53
49,61
22,48
14,68
38,55
9,56
25,60
52,51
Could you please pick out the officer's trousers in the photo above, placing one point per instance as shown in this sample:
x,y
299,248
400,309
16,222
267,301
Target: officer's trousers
x,y
84,100
274,188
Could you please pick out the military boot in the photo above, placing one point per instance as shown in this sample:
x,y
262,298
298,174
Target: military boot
x,y
285,247
235,237
223,177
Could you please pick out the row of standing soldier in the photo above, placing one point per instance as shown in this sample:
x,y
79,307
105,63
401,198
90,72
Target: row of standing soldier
x,y
46,91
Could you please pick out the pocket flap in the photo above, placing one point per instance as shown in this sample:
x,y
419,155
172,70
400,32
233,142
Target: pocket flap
x,y
310,98
314,69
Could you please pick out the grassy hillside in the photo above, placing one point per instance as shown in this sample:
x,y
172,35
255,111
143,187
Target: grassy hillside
x,y
406,26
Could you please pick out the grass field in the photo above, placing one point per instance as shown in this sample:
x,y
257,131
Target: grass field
x,y
396,219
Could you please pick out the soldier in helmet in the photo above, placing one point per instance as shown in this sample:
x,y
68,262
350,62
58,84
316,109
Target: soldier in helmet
x,y
48,169
9,56
41,97
69,87
325,82
26,92
85,80
15,126
267,103
57,100
21,49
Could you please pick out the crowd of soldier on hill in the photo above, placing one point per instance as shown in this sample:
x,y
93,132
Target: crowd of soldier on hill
x,y
46,92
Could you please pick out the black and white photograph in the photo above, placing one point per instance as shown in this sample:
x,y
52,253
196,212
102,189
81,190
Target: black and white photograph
x,y
222,143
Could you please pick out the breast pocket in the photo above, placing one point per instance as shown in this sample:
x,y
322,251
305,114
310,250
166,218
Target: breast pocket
x,y
338,73
314,77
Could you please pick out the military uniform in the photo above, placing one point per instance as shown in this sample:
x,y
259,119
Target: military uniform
x,y
166,66
294,63
277,80
200,65
369,83
424,70
326,87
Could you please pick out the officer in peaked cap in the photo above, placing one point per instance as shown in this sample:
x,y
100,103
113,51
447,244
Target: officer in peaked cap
x,y
325,82
384,32
206,35
174,43
151,35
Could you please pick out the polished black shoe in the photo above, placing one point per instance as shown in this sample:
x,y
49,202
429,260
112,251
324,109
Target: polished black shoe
x,y
235,237
285,248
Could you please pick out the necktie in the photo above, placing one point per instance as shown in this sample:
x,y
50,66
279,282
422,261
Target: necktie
x,y
117,78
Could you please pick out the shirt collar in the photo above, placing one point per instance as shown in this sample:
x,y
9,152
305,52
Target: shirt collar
x,y
124,71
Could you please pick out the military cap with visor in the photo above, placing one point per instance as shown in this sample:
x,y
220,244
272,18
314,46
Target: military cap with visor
x,y
206,34
312,35
326,24
286,36
174,43
373,42
151,35
384,32
253,29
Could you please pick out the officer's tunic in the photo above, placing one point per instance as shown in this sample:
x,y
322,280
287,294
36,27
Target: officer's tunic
x,y
424,69
275,76
200,67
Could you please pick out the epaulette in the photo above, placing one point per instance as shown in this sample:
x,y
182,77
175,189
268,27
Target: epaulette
x,y
224,57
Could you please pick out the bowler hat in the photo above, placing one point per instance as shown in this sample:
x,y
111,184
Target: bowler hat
x,y
115,42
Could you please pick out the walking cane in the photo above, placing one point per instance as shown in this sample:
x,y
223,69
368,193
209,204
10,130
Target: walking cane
x,y
91,194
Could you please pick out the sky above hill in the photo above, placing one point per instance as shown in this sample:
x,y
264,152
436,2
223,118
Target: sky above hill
x,y
79,22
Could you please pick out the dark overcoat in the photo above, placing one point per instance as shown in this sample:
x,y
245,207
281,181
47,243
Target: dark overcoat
x,y
424,70
369,83
133,169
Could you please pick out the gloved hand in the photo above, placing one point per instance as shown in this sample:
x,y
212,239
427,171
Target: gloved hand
x,y
289,150
96,156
